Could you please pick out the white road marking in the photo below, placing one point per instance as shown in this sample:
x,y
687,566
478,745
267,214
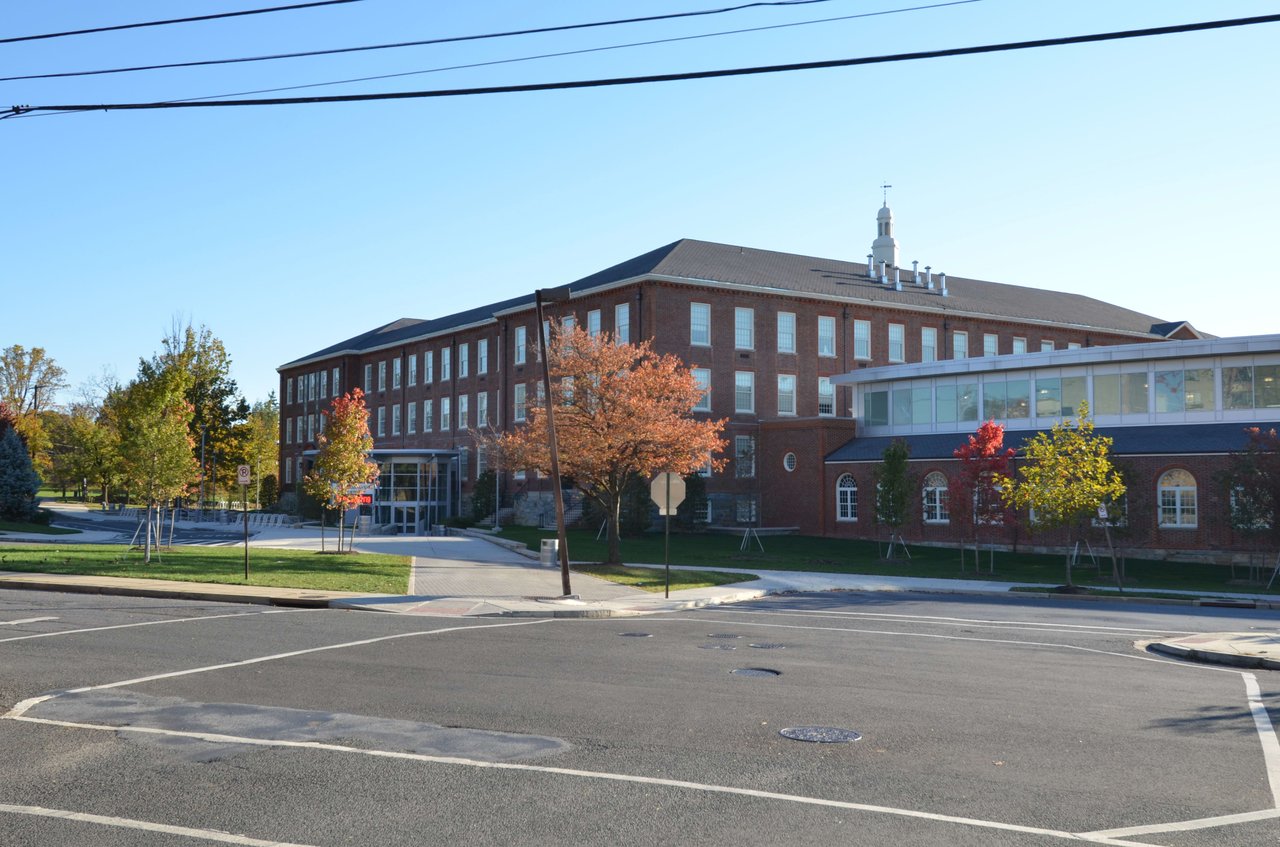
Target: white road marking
x,y
149,623
1270,744
934,619
25,620
126,823
217,738
21,708
1188,826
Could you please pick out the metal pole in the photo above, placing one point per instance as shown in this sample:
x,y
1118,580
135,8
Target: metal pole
x,y
556,493
202,466
244,504
666,546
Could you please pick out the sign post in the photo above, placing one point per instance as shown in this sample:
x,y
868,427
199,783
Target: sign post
x,y
667,490
242,477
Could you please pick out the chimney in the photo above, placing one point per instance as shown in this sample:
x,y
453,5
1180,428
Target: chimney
x,y
928,272
884,273
897,279
943,277
871,266
915,271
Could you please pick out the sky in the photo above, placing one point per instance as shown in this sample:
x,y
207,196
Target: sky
x,y
1142,172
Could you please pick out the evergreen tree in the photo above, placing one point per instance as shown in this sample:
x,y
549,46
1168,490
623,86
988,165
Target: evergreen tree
x,y
19,482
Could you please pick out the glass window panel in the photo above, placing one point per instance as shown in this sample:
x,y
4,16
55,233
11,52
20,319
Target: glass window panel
x,y
786,332
826,335
700,324
902,407
946,403
960,345
1134,396
1266,386
744,328
1237,388
622,322
875,408
967,401
1106,394
1018,398
744,395
928,344
897,343
1169,392
993,400
921,405
1200,390
1073,394
703,377
786,394
862,339
1048,397
826,396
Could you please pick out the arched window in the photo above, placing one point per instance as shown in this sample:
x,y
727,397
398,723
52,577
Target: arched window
x,y
1177,491
846,498
934,496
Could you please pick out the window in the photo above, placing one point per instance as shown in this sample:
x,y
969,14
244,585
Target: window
x,y
744,454
311,386
622,323
846,498
826,396
336,390
518,402
705,470
413,369
862,339
912,406
1059,397
826,336
703,377
395,373
446,363
593,323
1009,400
1185,391
744,391
464,360
446,419
990,344
322,417
567,323
411,413
1073,345
959,344
957,403
482,409
521,344
382,420
1046,346
300,430
786,332
897,344
395,419
324,384
786,394
482,356
368,378
744,329
428,416
875,408
463,403
1177,490
935,499
382,376
288,430
311,427
288,388
288,470
928,344
1119,394
428,367
789,462
1019,345
744,510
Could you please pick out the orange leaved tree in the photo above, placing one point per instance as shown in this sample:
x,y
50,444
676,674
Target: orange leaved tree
x,y
343,461
973,495
621,410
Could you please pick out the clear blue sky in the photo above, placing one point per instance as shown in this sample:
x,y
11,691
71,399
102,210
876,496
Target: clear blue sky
x,y
1142,172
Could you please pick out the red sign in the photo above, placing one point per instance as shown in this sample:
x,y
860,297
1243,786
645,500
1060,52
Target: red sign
x,y
366,499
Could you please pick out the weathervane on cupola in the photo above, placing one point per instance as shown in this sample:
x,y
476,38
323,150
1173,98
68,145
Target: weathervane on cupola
x,y
884,249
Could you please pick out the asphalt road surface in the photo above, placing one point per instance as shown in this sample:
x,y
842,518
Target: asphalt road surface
x,y
126,527
149,722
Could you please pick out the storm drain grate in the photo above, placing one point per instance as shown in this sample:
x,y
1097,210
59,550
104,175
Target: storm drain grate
x,y
820,734
768,645
636,634
717,647
756,672
723,635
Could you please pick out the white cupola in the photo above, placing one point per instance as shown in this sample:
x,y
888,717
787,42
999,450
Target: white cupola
x,y
884,248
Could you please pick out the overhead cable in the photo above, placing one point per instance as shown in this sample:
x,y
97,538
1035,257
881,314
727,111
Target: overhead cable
x,y
637,80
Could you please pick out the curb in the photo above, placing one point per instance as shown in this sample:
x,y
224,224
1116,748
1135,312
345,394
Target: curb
x,y
168,594
1213,657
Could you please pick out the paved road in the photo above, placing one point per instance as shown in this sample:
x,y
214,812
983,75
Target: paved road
x,y
984,722
125,528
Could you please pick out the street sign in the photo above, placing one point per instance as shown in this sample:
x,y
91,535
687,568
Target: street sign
x,y
667,490
242,474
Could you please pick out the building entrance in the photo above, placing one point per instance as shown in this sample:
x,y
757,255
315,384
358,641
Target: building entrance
x,y
417,492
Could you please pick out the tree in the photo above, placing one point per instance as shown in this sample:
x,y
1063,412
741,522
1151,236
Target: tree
x,y
973,495
19,483
261,442
342,462
893,489
1066,474
621,411
29,381
1251,483
151,417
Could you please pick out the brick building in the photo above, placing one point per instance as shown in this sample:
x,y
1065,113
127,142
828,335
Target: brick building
x,y
768,334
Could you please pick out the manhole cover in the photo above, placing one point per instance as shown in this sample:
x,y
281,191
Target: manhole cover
x,y
768,645
756,672
636,634
723,635
717,647
821,734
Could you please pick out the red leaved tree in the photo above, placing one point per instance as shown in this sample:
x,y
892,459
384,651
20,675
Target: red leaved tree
x,y
343,461
973,495
621,411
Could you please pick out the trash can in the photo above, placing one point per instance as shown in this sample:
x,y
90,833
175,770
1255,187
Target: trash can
x,y
550,551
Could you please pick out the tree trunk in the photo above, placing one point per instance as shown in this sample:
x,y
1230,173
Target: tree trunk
x,y
146,543
342,527
1070,584
614,512
324,511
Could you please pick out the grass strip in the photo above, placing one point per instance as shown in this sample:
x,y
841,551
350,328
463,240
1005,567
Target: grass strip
x,y
654,579
373,573
35,528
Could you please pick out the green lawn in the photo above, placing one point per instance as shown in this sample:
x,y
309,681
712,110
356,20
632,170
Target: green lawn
x,y
829,555
14,526
374,573
655,579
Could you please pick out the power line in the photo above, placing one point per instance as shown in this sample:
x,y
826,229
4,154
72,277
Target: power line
x,y
448,40
637,80
175,21
581,51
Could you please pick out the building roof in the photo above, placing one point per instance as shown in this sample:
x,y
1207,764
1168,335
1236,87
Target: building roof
x,y
708,263
1148,440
